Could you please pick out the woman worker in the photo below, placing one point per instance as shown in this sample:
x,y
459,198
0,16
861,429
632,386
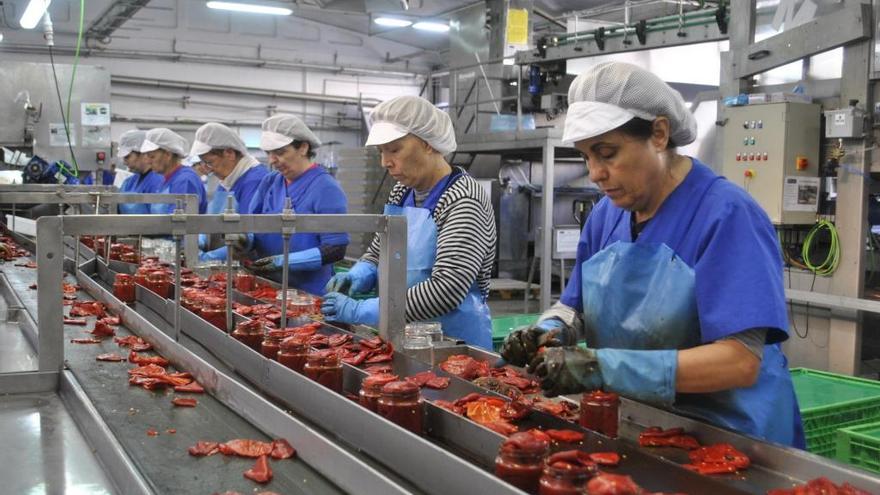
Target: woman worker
x,y
143,179
677,290
291,146
163,150
451,234
240,174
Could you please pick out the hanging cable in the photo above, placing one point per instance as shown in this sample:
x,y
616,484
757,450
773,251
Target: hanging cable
x,y
829,265
79,36
49,34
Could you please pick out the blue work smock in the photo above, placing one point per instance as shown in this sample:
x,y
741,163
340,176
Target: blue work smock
x,y
314,191
183,180
728,242
149,182
243,192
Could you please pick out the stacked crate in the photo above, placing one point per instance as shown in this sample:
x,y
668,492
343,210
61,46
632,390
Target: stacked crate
x,y
361,176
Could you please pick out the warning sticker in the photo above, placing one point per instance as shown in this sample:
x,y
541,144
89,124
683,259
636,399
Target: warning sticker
x,y
801,194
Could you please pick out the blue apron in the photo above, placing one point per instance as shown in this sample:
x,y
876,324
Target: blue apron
x,y
641,296
470,321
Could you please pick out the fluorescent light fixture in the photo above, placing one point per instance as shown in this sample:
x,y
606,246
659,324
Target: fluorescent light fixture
x,y
514,83
392,22
33,13
249,8
509,61
434,27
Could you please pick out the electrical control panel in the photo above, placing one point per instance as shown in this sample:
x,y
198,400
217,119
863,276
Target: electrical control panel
x,y
772,151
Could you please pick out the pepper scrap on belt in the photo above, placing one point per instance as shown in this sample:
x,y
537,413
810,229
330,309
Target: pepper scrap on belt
x,y
820,486
673,437
721,458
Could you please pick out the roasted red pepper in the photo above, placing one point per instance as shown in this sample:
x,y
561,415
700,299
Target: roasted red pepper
x,y
246,448
102,330
111,357
184,402
613,484
281,449
721,458
605,458
674,437
202,448
85,341
75,321
192,387
261,472
565,436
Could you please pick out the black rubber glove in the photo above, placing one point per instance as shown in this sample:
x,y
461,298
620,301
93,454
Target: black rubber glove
x,y
566,370
521,346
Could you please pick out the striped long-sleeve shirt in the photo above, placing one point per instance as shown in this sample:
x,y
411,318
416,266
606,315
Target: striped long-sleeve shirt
x,y
466,241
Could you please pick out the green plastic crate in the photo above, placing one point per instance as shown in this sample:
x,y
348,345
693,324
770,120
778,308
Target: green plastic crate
x,y
829,401
860,446
503,325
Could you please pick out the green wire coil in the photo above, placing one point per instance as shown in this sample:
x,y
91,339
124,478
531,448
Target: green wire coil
x,y
829,265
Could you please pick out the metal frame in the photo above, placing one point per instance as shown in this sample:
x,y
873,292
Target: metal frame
x,y
545,140
63,195
50,258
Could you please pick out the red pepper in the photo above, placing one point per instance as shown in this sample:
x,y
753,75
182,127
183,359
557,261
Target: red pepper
x,y
184,402
152,432
246,448
112,357
356,360
605,458
281,449
565,436
102,329
261,472
75,321
202,448
192,387
613,484
85,341
438,382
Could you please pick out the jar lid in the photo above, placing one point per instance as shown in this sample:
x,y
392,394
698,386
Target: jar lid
x,y
379,380
525,442
600,396
400,388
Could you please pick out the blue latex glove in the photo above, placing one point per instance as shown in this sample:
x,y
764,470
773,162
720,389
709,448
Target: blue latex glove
x,y
213,255
341,308
360,279
203,242
521,346
308,259
647,376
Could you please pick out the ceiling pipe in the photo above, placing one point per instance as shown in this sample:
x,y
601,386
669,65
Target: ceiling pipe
x,y
241,90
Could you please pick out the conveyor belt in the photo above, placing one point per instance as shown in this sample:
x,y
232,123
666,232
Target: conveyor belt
x,y
163,460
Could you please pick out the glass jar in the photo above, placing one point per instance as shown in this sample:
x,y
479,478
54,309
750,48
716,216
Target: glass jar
x,y
123,287
116,250
565,479
325,368
159,281
213,310
371,389
129,257
140,276
245,281
298,303
271,345
599,412
520,461
250,333
293,352
401,403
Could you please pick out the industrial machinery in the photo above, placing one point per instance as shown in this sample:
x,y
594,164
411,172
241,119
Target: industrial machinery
x,y
772,151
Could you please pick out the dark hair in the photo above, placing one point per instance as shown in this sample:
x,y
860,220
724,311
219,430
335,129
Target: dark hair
x,y
297,143
642,129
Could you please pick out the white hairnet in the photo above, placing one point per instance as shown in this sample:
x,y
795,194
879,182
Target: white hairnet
x,y
608,94
166,139
213,136
404,115
282,129
131,141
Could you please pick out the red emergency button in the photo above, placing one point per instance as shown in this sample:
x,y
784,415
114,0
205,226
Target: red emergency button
x,y
101,155
801,163
749,173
